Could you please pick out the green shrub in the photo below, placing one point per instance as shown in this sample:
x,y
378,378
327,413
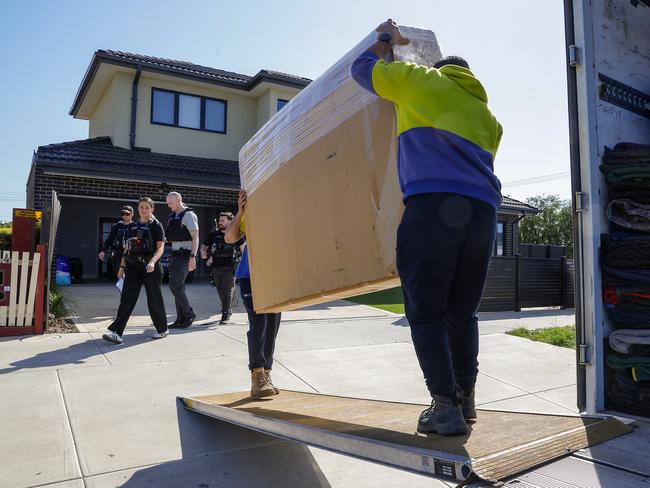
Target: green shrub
x,y
557,336
5,238
60,304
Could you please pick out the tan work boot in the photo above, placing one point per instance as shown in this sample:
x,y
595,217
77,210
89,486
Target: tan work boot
x,y
268,376
260,385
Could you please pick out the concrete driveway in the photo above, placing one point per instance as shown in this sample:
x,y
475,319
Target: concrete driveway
x,y
79,411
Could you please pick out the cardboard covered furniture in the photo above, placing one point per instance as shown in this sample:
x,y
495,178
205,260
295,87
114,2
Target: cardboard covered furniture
x,y
324,201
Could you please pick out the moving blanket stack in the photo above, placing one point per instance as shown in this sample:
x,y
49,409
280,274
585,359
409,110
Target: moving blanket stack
x,y
324,201
625,262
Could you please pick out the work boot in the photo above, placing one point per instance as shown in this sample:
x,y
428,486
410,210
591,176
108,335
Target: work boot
x,y
443,417
260,385
467,403
225,318
268,377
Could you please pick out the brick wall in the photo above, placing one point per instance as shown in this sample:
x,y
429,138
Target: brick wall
x,y
40,188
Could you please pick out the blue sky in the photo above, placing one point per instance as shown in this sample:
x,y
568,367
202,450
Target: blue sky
x,y
515,47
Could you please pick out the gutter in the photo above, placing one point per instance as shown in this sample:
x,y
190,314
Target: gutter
x,y
134,110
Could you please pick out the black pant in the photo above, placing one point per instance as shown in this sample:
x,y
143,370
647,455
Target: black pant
x,y
262,331
135,276
224,279
178,272
116,259
444,246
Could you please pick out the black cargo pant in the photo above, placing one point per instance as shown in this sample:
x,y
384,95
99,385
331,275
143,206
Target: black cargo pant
x,y
444,246
178,272
262,331
116,259
224,279
135,276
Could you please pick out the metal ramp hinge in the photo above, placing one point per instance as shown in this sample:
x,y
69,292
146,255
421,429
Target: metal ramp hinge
x,y
583,355
574,52
580,198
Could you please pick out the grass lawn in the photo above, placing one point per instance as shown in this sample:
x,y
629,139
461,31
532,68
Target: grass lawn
x,y
557,336
390,300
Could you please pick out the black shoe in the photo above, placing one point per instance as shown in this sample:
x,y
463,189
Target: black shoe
x,y
225,318
443,417
176,324
186,323
467,403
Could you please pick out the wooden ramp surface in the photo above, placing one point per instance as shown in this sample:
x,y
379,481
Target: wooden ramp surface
x,y
499,445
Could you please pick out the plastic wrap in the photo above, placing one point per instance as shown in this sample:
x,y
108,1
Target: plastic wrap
x,y
323,196
322,106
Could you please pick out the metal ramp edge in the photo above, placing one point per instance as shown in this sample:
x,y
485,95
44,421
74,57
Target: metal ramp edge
x,y
493,467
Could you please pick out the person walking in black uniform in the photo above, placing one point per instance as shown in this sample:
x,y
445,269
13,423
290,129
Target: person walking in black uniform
x,y
140,265
223,259
114,243
183,232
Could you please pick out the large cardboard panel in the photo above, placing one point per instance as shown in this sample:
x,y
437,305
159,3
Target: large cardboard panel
x,y
324,201
332,212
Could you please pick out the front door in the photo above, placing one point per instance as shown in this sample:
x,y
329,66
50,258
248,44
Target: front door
x,y
105,269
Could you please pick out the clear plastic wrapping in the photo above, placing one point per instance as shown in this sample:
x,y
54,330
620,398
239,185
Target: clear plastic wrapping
x,y
322,106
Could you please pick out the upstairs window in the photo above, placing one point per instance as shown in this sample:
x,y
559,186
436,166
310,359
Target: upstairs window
x,y
281,103
188,111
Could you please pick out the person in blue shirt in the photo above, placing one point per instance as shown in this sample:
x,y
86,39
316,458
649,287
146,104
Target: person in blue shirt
x,y
263,327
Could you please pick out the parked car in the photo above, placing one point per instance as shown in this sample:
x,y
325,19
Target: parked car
x,y
164,260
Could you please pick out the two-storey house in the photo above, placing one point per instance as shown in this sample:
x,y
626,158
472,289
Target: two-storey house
x,y
157,125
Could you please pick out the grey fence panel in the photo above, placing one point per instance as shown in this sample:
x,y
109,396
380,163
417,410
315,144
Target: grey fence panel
x,y
540,282
500,287
569,284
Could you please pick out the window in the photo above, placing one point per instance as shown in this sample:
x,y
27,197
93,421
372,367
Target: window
x,y
281,103
498,240
163,107
188,111
215,115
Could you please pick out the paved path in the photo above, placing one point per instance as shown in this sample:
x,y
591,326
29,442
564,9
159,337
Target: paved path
x,y
80,412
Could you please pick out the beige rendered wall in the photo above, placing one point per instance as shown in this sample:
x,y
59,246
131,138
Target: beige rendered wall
x,y
112,115
263,109
267,103
240,125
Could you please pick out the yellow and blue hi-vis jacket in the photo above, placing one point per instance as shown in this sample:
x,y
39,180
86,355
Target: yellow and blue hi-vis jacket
x,y
447,135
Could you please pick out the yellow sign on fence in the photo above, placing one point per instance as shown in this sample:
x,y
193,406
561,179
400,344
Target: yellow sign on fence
x,y
34,214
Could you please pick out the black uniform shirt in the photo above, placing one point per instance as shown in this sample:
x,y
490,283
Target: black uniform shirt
x,y
155,228
116,238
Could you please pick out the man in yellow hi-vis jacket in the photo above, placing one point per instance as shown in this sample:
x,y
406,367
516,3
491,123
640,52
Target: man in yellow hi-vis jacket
x,y
447,139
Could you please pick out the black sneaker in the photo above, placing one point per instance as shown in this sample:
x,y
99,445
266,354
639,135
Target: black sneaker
x,y
176,324
187,322
225,318
467,403
442,417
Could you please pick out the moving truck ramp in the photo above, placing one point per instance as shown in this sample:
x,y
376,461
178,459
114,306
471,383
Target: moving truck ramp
x,y
499,445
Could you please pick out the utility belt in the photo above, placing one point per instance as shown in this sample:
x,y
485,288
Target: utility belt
x,y
138,258
182,252
224,264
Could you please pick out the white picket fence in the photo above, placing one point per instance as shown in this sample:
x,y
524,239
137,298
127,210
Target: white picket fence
x,y
22,288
